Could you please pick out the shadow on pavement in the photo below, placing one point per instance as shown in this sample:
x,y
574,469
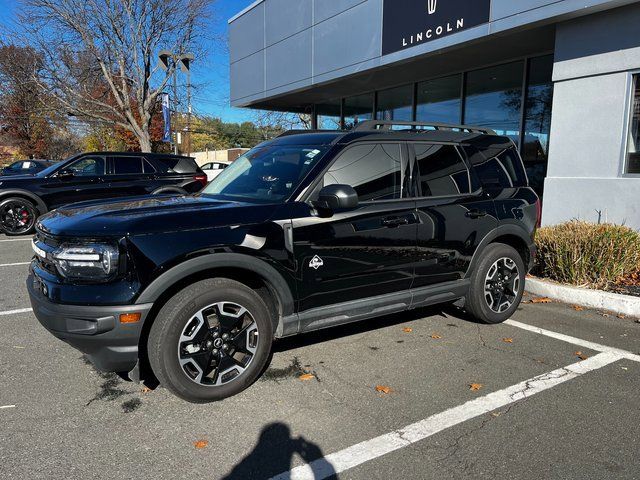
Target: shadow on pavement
x,y
274,454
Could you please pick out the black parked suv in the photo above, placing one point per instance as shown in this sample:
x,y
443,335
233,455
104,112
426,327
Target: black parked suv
x,y
304,232
93,176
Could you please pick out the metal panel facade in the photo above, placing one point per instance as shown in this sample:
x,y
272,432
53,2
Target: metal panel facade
x,y
347,38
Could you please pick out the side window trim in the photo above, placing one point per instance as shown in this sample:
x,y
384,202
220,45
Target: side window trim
x,y
416,172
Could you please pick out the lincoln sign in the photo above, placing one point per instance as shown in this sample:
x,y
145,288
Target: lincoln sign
x,y
408,23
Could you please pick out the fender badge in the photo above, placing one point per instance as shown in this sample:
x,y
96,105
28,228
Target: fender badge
x,y
316,262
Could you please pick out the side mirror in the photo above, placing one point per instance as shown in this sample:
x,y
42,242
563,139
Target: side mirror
x,y
337,197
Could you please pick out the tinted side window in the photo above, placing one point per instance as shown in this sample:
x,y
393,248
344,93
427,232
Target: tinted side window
x,y
179,164
148,168
374,170
498,167
442,171
127,165
87,167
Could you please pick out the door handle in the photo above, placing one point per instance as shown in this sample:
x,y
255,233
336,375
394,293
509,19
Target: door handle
x,y
393,222
474,214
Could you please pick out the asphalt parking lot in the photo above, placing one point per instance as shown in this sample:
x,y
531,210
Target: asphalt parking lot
x,y
551,394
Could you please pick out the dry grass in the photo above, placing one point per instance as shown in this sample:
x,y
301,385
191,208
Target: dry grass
x,y
585,254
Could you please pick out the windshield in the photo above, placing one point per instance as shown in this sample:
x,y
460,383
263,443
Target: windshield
x,y
266,174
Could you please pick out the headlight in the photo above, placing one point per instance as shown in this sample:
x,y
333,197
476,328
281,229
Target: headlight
x,y
91,262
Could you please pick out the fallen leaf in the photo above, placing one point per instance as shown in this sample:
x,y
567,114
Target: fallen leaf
x,y
581,355
507,340
577,308
146,390
541,300
383,389
407,330
624,368
606,315
474,387
435,336
307,376
200,444
622,316
495,414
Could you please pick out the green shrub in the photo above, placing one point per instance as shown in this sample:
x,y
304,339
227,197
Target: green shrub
x,y
585,254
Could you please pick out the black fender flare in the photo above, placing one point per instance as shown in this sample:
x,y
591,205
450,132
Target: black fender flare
x,y
501,231
42,207
162,190
220,260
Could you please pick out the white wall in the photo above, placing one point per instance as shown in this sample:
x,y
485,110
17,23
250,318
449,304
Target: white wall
x,y
594,58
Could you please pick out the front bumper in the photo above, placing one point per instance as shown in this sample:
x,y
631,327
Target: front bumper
x,y
94,330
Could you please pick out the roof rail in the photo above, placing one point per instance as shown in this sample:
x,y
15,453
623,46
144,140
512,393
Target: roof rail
x,y
370,125
302,131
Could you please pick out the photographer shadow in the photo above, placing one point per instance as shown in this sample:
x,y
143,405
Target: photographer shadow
x,y
274,453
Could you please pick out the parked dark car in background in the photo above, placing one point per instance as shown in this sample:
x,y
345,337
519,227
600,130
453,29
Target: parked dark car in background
x,y
26,167
93,176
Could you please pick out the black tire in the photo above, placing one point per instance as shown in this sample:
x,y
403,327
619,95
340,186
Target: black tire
x,y
17,216
477,301
166,351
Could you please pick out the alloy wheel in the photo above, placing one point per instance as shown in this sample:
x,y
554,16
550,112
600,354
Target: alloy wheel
x,y
17,217
502,285
218,344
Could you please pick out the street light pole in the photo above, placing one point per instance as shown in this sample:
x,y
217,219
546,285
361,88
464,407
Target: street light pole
x,y
170,60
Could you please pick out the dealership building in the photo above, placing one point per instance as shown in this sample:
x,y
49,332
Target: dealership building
x,y
560,77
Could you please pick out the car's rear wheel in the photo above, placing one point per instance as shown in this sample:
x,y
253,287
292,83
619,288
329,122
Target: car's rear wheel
x,y
17,216
211,340
497,285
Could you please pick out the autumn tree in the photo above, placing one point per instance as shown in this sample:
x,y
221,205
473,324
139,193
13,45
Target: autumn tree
x,y
99,58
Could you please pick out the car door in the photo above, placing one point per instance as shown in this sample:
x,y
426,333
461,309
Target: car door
x,y
78,181
127,176
367,252
454,215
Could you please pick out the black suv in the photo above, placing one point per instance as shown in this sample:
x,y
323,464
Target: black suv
x,y
93,176
304,232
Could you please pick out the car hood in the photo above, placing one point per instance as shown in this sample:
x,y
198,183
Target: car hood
x,y
149,215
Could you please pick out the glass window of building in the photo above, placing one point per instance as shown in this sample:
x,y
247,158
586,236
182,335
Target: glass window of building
x,y
358,109
373,170
494,99
537,120
396,104
329,115
439,100
633,160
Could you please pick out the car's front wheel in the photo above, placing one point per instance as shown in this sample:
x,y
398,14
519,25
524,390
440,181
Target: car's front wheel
x,y
17,216
497,284
211,340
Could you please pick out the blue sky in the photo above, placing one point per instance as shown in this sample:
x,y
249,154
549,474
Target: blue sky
x,y
211,74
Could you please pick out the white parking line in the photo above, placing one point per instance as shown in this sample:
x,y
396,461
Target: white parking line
x,y
575,341
7,406
14,312
14,264
16,240
363,452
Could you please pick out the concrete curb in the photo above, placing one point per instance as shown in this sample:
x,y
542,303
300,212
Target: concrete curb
x,y
613,302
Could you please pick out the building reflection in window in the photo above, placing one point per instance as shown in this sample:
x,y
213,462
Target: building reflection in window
x,y
396,104
358,109
439,100
537,121
494,99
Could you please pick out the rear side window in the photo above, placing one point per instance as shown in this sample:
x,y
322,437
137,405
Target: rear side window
x,y
127,165
498,167
373,170
179,164
441,170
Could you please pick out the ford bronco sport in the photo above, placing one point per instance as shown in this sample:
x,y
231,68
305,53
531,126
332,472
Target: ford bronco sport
x,y
304,232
